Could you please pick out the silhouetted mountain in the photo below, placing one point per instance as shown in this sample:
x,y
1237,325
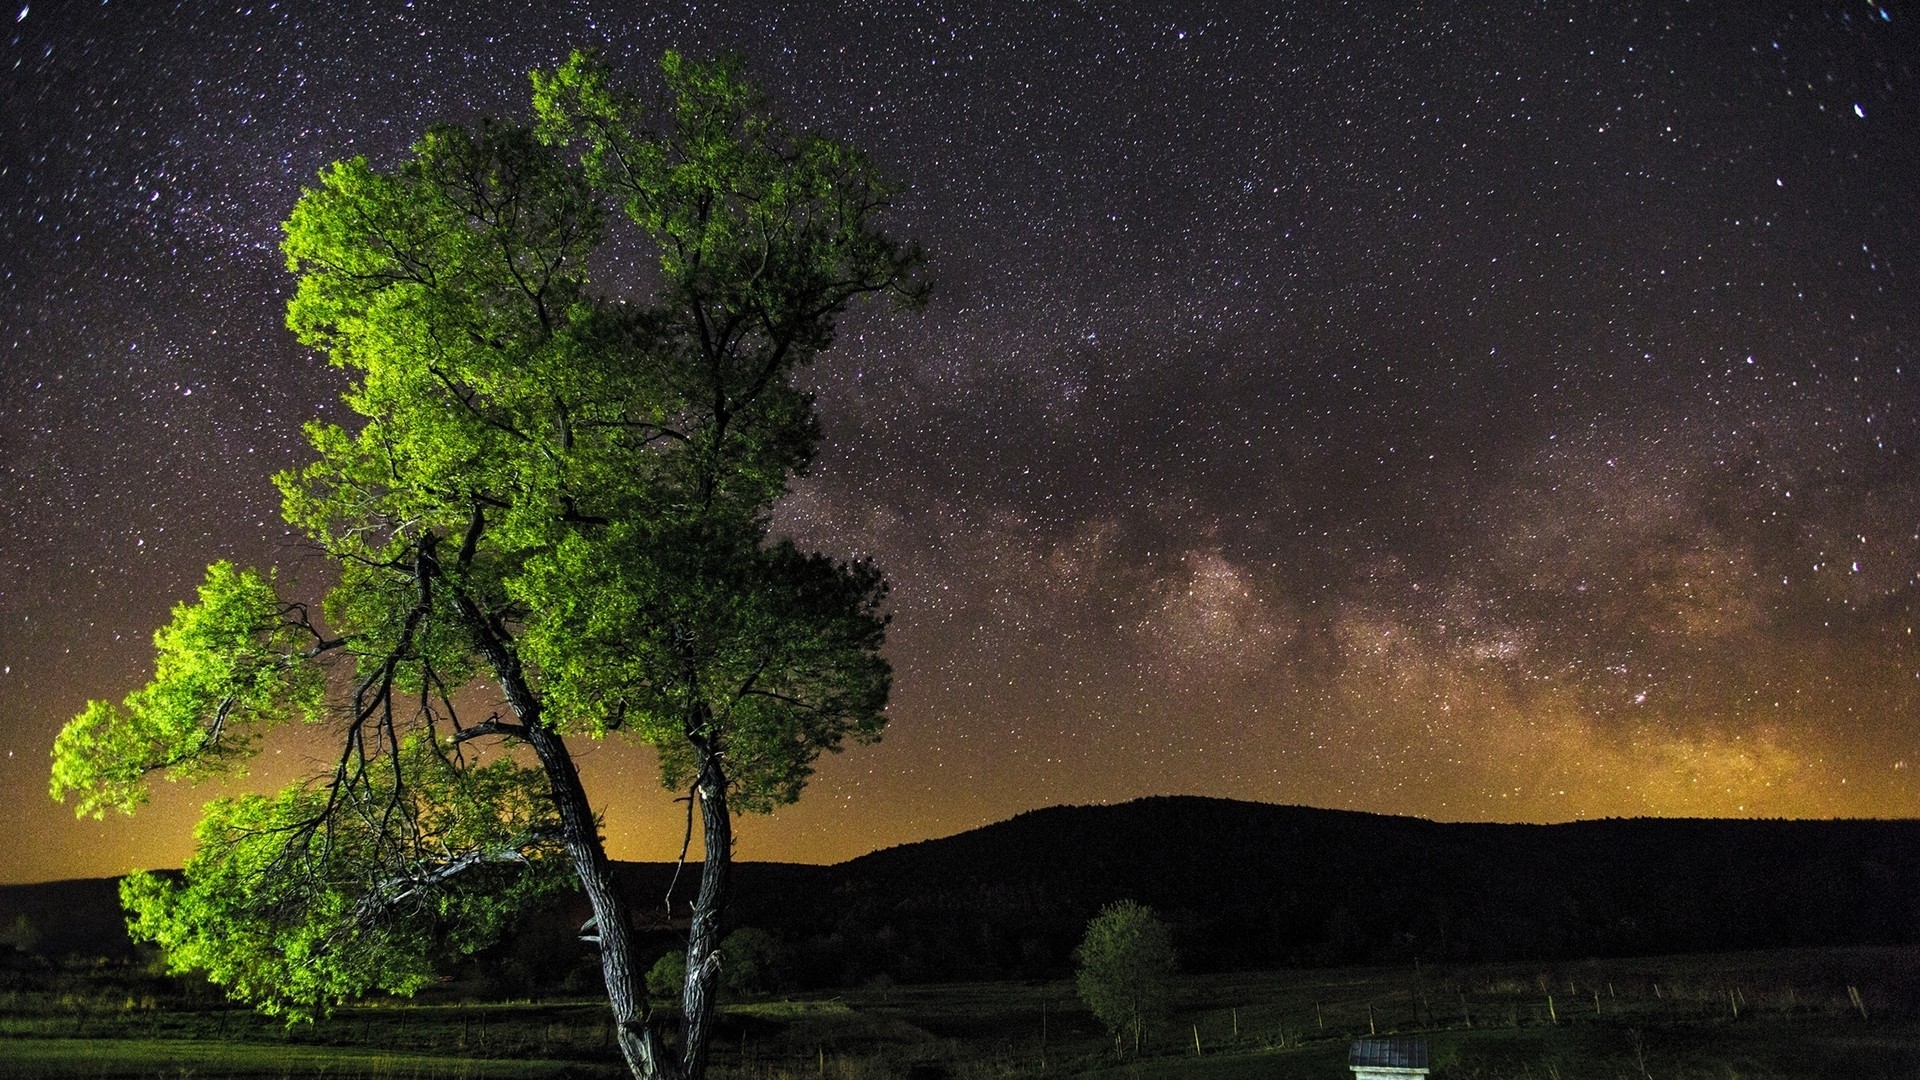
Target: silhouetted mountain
x,y
1248,885
81,915
1251,885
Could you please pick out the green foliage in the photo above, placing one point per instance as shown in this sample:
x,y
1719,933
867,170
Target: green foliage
x,y
296,907
752,962
667,974
228,668
761,650
1126,970
763,237
554,490
613,462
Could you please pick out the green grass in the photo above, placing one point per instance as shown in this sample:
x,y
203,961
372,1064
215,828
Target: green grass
x,y
1670,1018
179,1059
789,1009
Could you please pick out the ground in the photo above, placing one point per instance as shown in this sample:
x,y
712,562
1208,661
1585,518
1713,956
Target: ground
x,y
1788,1014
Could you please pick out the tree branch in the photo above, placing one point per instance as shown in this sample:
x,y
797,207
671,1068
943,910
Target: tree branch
x,y
493,725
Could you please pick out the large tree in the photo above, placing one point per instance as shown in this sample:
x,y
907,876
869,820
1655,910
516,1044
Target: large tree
x,y
550,521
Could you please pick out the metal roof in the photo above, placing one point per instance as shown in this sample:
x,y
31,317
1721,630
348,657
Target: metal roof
x,y
1390,1053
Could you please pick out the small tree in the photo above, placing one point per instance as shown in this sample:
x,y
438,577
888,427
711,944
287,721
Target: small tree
x,y
751,963
22,934
1126,972
665,977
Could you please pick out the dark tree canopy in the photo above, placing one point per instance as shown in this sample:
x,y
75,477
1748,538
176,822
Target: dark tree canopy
x,y
555,500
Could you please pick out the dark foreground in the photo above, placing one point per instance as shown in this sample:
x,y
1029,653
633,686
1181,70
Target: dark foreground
x,y
1781,1014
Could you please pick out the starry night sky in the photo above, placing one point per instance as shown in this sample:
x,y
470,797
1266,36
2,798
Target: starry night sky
x,y
1485,417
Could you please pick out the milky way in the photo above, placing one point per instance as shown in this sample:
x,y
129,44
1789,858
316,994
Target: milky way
x,y
1417,411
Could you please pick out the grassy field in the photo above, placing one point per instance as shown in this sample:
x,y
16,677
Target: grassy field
x,y
1807,1014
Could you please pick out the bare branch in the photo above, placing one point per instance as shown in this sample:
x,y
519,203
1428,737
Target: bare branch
x,y
686,843
493,725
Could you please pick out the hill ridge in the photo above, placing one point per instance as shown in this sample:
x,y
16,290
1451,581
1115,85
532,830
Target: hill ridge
x,y
1248,884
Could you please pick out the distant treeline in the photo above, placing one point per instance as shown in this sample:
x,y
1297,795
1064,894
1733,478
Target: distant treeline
x,y
1244,886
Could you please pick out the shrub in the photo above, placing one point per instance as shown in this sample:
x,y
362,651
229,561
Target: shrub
x,y
1126,970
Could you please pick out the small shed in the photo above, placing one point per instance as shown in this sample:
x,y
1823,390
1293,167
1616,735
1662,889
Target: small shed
x,y
1388,1059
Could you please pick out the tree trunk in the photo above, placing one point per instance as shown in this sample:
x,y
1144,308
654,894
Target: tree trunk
x,y
703,936
639,1044
632,1019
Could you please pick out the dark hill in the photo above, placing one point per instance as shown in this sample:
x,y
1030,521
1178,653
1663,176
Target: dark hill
x,y
81,916
1252,885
